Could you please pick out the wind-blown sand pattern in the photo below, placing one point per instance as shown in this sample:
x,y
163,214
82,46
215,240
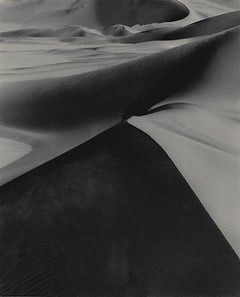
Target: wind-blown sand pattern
x,y
119,148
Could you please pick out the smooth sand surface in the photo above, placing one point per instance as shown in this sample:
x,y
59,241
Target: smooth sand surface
x,y
12,150
93,13
201,28
60,113
199,129
123,214
139,12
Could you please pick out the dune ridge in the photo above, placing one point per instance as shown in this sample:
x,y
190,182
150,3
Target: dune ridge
x,y
126,179
93,13
202,123
68,95
201,28
77,108
70,31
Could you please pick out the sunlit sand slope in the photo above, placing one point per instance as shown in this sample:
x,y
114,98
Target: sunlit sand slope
x,y
199,127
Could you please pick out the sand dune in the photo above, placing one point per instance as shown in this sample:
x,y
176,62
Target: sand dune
x,y
117,30
202,123
204,27
106,220
93,13
84,105
71,31
76,108
104,13
139,12
116,213
81,97
12,150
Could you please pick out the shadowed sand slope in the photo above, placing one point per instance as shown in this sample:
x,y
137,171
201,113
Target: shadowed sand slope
x,y
65,112
139,11
121,215
63,102
106,220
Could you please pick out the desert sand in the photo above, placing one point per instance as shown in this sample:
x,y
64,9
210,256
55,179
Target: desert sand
x,y
202,122
119,124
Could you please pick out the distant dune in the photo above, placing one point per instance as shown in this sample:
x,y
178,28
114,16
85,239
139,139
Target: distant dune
x,y
62,102
139,12
70,31
117,30
119,130
204,27
94,13
50,109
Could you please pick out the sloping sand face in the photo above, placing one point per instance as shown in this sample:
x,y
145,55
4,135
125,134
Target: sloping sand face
x,y
113,217
94,13
61,113
123,214
204,27
199,129
12,150
139,11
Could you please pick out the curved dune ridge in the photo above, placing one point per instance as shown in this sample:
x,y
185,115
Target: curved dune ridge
x,y
204,27
201,28
148,207
139,11
64,102
65,112
202,123
95,13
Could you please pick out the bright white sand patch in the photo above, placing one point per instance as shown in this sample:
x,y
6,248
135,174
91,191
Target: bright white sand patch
x,y
12,150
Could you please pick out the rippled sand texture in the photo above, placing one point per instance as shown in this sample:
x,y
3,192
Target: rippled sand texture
x,y
151,207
